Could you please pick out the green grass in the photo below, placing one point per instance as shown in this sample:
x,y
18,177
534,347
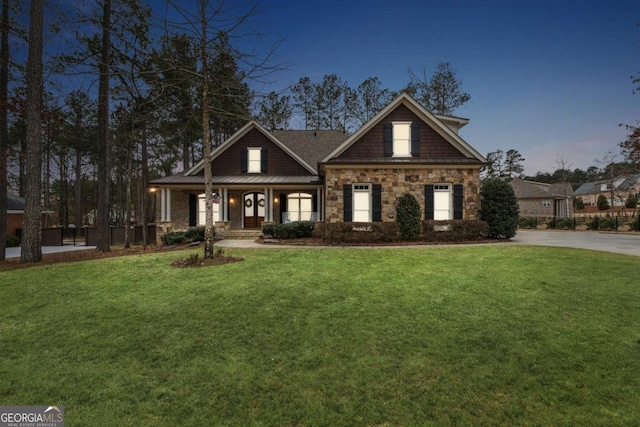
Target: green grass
x,y
501,335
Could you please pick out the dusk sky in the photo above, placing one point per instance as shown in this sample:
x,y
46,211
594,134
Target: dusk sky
x,y
548,78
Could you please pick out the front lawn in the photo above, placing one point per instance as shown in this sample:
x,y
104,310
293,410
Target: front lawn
x,y
485,335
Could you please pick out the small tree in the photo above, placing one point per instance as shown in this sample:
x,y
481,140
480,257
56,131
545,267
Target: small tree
x,y
499,208
631,201
408,212
578,203
602,203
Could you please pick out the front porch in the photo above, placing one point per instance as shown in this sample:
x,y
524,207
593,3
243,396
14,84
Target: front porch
x,y
238,212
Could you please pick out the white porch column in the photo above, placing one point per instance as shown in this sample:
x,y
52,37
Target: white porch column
x,y
266,204
320,203
165,204
225,203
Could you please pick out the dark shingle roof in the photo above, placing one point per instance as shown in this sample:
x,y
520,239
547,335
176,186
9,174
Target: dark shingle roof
x,y
235,179
14,203
536,190
311,145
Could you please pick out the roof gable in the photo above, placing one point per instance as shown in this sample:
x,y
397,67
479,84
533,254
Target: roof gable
x,y
460,148
252,126
534,190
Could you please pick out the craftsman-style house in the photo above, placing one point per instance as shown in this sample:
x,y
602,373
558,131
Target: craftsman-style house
x,y
327,176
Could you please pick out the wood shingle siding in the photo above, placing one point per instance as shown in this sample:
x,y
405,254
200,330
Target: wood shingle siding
x,y
372,144
278,162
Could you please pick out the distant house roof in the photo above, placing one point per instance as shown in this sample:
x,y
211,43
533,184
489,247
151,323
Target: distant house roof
x,y
540,190
620,183
14,203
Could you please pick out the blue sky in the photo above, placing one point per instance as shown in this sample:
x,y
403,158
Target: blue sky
x,y
548,78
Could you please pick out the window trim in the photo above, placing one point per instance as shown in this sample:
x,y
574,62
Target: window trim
x,y
254,161
362,188
396,140
443,188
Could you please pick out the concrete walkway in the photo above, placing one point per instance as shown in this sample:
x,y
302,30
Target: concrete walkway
x,y
621,243
15,252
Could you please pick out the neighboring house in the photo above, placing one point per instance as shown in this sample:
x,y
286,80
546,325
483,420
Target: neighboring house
x,y
15,212
540,199
621,187
261,176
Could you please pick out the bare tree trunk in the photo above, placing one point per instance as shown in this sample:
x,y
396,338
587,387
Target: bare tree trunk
x,y
127,220
103,134
31,234
206,139
145,179
79,217
4,127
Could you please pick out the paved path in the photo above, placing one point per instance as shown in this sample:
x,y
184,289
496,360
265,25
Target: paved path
x,y
15,252
620,243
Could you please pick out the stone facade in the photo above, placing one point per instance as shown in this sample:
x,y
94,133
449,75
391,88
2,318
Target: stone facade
x,y
397,181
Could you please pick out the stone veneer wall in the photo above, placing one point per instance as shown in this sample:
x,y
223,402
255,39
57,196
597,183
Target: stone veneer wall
x,y
396,182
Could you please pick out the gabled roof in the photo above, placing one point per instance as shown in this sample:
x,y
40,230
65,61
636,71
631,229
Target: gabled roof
x,y
311,145
242,132
430,119
14,203
539,190
619,184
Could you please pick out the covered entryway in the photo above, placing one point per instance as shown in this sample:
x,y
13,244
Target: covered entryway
x,y
254,209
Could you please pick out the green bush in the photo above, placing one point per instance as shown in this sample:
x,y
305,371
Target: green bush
x,y
631,201
194,234
528,222
13,241
564,224
173,238
499,208
578,203
454,230
408,217
602,203
290,230
359,232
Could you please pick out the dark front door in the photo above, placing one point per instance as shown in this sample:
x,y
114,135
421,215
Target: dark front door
x,y
253,210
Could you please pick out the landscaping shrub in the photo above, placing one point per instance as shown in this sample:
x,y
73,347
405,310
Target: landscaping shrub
x,y
564,224
194,234
631,201
359,232
602,203
499,208
13,241
578,203
291,230
528,222
598,223
408,217
454,230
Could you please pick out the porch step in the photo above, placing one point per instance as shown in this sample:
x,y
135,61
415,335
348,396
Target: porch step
x,y
243,234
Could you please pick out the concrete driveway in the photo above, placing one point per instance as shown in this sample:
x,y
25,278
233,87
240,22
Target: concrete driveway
x,y
620,243
15,252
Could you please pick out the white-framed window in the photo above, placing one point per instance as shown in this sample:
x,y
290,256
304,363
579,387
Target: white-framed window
x,y
362,203
202,213
546,203
442,202
401,139
300,206
253,159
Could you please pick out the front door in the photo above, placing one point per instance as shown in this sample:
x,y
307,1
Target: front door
x,y
253,210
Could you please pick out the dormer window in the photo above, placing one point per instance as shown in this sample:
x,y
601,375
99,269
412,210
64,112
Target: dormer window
x,y
254,160
401,139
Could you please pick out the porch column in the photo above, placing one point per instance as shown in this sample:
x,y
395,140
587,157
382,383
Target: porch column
x,y
266,204
165,204
225,204
320,203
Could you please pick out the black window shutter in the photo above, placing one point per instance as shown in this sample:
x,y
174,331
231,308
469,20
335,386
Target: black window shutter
x,y
244,160
387,130
415,140
428,202
458,198
348,202
376,201
193,210
263,160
